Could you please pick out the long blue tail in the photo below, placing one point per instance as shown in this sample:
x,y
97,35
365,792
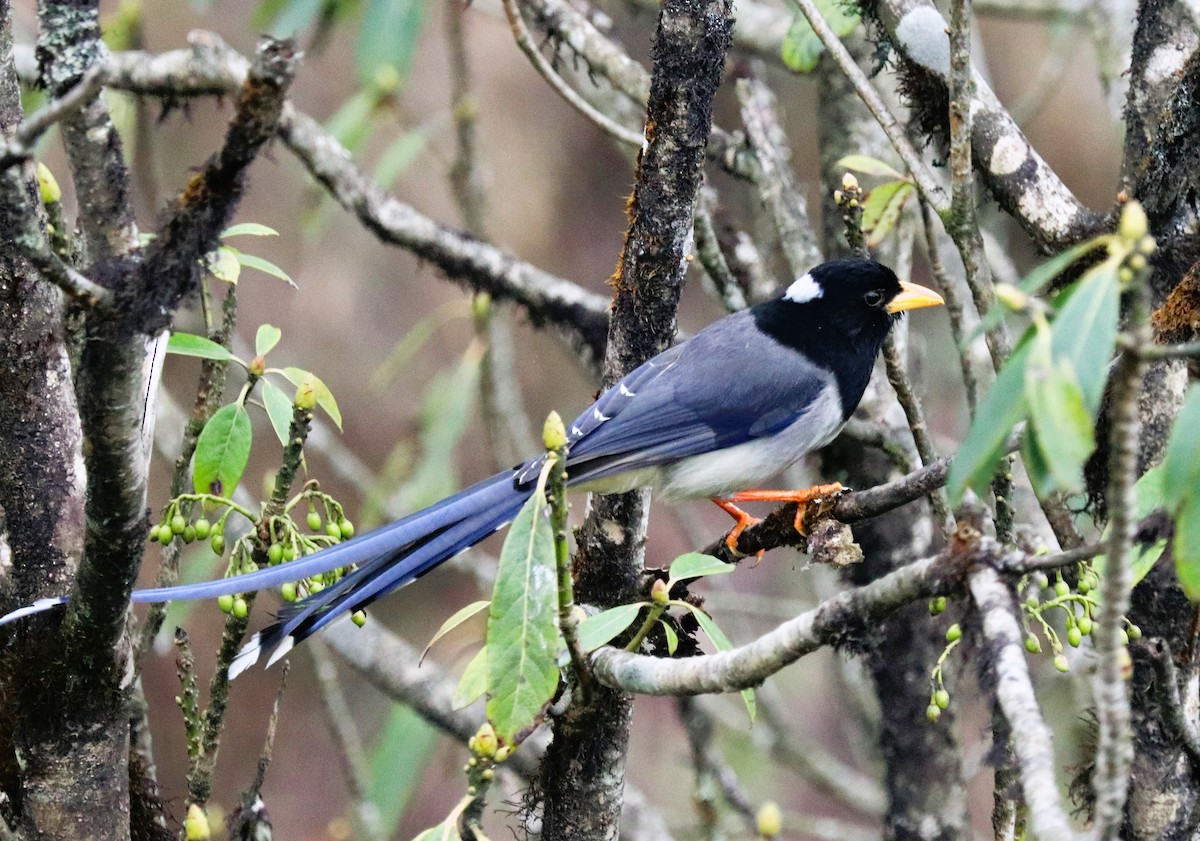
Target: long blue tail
x,y
387,559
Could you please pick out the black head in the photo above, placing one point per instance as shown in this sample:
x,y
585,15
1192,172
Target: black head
x,y
838,315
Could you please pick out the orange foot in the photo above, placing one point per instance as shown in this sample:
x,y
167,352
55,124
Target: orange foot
x,y
801,498
744,521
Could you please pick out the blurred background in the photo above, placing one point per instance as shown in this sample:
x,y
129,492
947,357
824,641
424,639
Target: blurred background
x,y
392,338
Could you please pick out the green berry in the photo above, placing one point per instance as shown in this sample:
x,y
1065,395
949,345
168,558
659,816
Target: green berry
x,y
189,533
954,633
1085,584
1032,601
359,617
218,543
1040,579
333,530
289,552
937,605
314,520
1134,632
1124,637
1085,625
203,528
153,536
1060,663
1033,645
240,609
1061,588
316,586
1074,636
288,591
933,712
225,602
249,566
345,528
941,698
178,524
275,553
165,534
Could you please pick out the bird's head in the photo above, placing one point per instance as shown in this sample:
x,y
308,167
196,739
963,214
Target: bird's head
x,y
855,296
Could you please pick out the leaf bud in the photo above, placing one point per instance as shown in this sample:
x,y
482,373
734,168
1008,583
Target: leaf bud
x,y
849,182
554,434
195,826
484,743
1134,224
1012,297
660,594
48,185
306,394
769,819
258,365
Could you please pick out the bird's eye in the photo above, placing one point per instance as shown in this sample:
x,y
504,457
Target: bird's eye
x,y
873,298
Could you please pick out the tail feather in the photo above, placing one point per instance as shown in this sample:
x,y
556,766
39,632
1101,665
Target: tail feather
x,y
376,578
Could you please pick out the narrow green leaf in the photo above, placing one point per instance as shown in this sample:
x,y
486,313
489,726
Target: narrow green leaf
x,y
885,210
187,344
265,266
222,451
388,36
1181,465
447,830
522,634
460,616
672,637
1035,464
473,684
601,628
869,166
249,229
286,18
1036,281
399,156
1187,547
696,565
1064,428
223,264
1084,331
1148,498
279,409
352,124
323,394
1002,408
721,643
398,764
266,338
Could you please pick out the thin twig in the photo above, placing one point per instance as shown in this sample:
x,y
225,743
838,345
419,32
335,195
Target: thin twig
x,y
20,148
1181,351
927,183
1174,716
525,42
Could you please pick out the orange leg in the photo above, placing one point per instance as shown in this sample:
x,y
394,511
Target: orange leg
x,y
801,498
744,520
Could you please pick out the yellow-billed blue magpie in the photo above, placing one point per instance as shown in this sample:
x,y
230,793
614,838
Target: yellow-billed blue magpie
x,y
713,416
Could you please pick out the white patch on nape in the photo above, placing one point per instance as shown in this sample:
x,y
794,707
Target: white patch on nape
x,y
246,658
805,289
281,650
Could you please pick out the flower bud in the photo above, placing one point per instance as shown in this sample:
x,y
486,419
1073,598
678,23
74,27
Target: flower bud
x,y
47,185
195,826
849,182
1134,224
769,819
484,742
306,394
554,434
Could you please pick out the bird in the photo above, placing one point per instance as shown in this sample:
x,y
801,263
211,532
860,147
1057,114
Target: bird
x,y
716,415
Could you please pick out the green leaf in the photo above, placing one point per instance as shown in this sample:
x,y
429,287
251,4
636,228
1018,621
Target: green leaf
x,y
522,634
320,390
1084,331
1035,281
447,830
285,18
601,628
388,36
279,409
352,124
266,338
801,47
398,764
222,451
249,229
1181,465
399,156
1062,424
672,637
265,266
1148,498
1002,408
882,209
473,684
1187,547
1035,464
696,565
869,166
460,616
721,643
223,264
187,344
